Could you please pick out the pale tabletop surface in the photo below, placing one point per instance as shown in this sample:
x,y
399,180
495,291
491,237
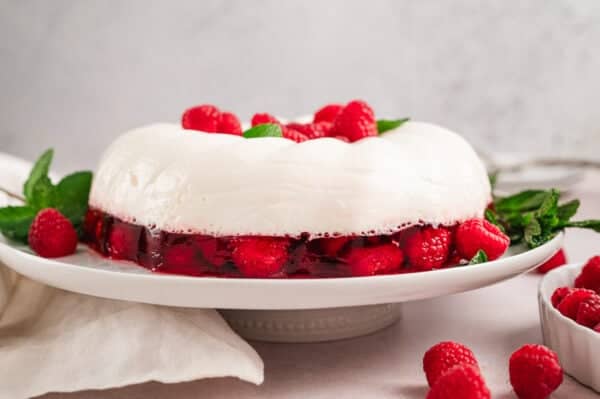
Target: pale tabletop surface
x,y
493,321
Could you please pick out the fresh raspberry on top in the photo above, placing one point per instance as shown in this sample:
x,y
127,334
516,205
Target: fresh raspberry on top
x,y
559,294
589,312
428,248
381,259
590,275
260,256
535,372
293,134
312,130
443,356
229,123
52,235
569,306
463,381
559,259
597,328
355,121
261,119
328,113
202,117
475,234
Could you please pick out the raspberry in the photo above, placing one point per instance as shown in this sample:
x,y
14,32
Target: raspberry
x,y
202,117
463,381
475,234
328,113
230,124
312,130
293,134
535,372
560,294
355,121
597,328
261,119
368,261
559,259
590,275
428,248
589,312
52,235
443,356
569,306
260,256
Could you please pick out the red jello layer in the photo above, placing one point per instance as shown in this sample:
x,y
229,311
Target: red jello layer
x,y
265,256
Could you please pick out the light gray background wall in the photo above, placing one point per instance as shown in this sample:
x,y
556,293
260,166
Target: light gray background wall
x,y
522,74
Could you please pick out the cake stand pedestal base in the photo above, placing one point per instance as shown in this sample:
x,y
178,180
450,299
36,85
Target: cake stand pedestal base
x,y
315,325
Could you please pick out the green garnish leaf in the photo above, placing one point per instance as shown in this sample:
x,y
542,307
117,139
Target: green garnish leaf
x,y
534,217
383,125
568,210
15,222
492,217
264,130
480,257
585,224
40,170
73,193
523,201
43,194
70,196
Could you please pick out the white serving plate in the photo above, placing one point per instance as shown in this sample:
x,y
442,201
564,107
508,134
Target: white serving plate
x,y
577,347
88,273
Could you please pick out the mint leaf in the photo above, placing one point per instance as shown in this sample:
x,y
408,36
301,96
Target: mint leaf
x,y
568,210
523,201
40,169
532,230
480,257
264,130
43,194
383,125
72,194
585,224
15,222
492,217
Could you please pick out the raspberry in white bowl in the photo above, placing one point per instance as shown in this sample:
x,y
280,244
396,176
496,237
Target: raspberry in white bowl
x,y
331,198
569,302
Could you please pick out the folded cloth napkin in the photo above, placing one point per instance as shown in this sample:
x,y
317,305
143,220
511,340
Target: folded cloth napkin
x,y
53,340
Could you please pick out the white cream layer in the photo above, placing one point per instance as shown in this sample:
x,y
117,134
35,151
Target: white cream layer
x,y
187,181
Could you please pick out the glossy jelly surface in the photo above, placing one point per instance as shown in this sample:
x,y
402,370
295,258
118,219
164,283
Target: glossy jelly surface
x,y
258,256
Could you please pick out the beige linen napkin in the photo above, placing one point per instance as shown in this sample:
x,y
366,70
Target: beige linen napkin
x,y
53,340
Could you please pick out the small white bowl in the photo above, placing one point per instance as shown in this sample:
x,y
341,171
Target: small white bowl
x,y
578,347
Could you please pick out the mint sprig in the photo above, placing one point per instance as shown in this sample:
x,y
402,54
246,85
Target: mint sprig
x,y
383,125
264,130
534,217
70,196
480,257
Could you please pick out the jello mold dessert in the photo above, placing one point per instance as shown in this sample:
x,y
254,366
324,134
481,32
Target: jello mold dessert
x,y
342,195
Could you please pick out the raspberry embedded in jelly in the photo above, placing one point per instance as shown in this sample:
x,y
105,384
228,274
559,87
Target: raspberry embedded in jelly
x,y
265,256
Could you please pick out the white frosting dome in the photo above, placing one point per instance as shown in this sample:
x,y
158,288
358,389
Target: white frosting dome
x,y
186,181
